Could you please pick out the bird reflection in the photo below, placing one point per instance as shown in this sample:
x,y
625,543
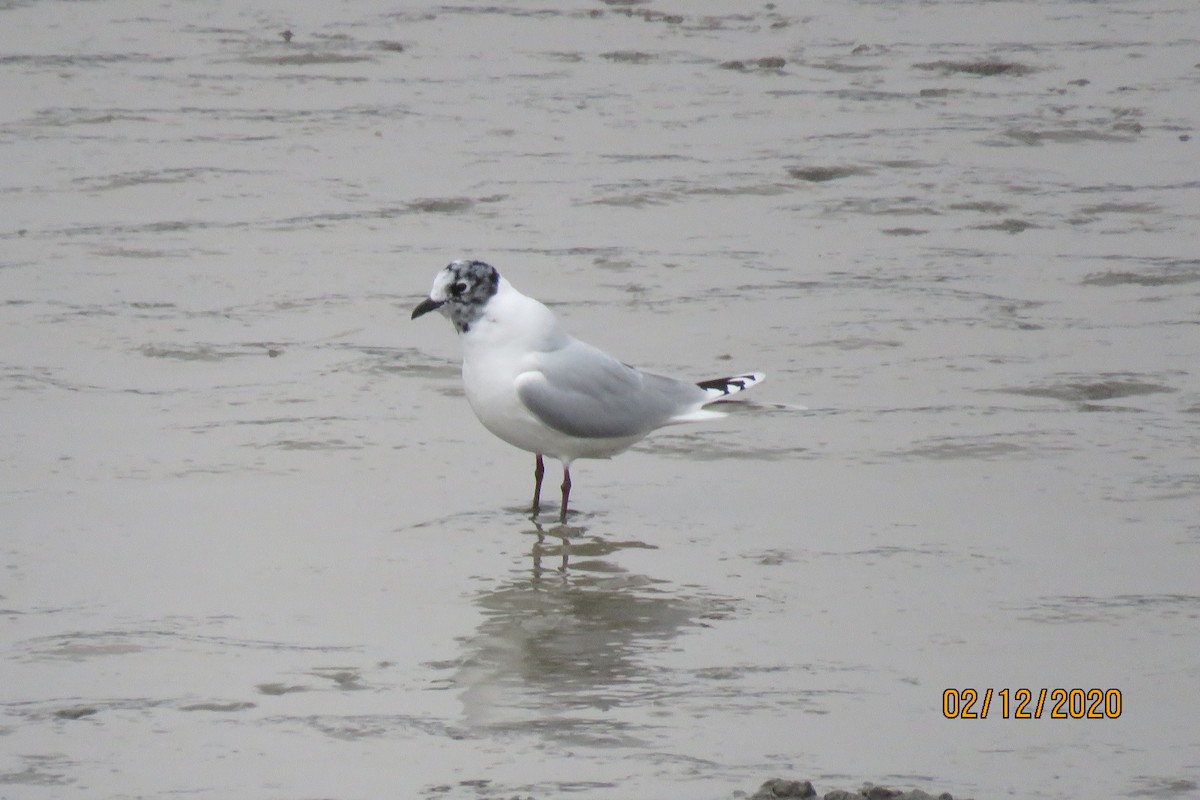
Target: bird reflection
x,y
561,532
565,643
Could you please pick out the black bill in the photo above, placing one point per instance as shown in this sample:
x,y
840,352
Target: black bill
x,y
427,305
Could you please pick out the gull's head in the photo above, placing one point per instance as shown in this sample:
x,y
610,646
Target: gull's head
x,y
460,291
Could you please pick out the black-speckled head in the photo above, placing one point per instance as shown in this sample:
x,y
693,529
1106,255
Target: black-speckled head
x,y
460,291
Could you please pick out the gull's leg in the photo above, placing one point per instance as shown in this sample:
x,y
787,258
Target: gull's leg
x,y
539,469
566,493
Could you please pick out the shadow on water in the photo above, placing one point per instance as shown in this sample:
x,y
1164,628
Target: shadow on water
x,y
568,639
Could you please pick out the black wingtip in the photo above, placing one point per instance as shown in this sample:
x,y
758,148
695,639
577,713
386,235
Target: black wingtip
x,y
732,384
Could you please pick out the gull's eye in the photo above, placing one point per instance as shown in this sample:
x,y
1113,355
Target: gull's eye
x,y
458,288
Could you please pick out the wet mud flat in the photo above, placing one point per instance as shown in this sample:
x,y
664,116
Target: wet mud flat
x,y
256,545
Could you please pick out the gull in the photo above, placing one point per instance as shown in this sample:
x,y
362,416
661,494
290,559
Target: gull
x,y
542,390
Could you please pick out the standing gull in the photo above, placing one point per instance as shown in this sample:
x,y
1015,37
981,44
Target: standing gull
x,y
542,390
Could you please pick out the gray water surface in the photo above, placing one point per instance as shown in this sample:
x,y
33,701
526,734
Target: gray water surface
x,y
254,543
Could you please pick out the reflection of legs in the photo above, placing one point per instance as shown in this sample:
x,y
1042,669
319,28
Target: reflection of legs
x,y
540,549
566,493
539,469
537,553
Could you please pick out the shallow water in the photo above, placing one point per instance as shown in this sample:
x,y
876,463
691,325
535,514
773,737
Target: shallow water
x,y
256,545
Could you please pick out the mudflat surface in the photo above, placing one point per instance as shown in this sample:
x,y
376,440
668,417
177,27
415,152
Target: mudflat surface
x,y
256,545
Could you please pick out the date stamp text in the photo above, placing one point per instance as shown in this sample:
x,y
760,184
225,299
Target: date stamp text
x,y
1031,703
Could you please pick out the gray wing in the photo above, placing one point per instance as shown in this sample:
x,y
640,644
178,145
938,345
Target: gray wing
x,y
582,391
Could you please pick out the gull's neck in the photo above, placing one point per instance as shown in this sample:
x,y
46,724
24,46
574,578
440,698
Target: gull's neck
x,y
509,319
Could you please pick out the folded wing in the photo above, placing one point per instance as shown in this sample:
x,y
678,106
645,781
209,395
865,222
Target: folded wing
x,y
582,391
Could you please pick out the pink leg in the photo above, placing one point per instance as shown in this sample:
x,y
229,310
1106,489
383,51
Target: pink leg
x,y
566,493
539,469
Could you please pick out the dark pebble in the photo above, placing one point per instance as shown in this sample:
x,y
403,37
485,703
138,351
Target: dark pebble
x,y
781,788
776,788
